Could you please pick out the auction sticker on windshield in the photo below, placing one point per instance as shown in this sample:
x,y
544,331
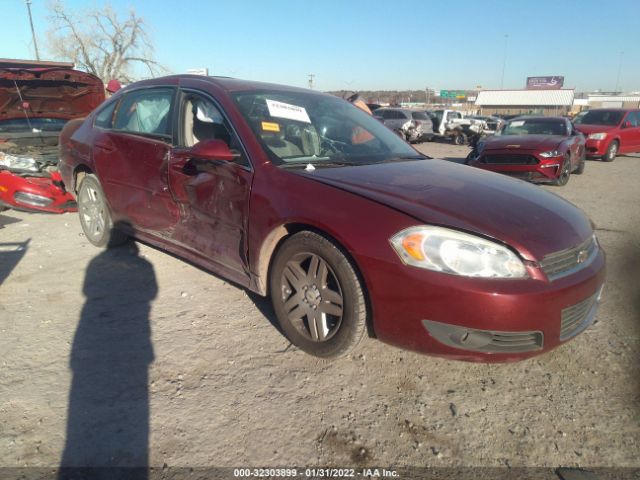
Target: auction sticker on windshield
x,y
286,110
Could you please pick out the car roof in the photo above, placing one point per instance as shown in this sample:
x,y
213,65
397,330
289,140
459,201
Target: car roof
x,y
537,117
225,83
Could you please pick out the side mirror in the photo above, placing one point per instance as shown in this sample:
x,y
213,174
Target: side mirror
x,y
626,124
214,150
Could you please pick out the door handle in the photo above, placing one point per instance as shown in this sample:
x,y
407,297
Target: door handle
x,y
107,148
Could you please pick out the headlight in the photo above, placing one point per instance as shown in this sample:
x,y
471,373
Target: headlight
x,y
550,154
450,251
597,136
13,162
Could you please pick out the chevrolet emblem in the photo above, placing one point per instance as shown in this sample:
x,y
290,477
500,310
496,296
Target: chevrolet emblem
x,y
582,256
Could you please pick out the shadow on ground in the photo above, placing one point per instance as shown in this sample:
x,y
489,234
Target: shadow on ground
x,y
108,414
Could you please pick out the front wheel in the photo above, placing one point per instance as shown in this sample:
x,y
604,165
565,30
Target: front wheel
x,y
317,296
611,152
95,217
460,139
581,164
565,173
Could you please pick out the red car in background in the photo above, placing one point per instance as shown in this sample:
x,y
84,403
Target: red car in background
x,y
538,149
610,131
36,100
303,197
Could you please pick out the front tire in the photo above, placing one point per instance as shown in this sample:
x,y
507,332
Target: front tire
x,y
611,152
95,217
581,164
565,173
460,139
317,296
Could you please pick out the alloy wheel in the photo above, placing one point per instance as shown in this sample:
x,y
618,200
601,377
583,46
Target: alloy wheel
x,y
312,297
92,213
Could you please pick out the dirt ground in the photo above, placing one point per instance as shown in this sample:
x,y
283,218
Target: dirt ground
x,y
188,370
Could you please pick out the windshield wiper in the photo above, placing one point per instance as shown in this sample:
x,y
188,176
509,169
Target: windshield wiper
x,y
405,158
333,163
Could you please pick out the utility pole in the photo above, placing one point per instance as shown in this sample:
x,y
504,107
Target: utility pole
x,y
33,32
504,60
619,69
311,75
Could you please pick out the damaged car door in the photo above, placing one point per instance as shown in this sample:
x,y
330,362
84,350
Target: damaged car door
x,y
130,152
212,194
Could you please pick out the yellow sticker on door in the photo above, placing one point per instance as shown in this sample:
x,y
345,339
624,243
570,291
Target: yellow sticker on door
x,y
270,127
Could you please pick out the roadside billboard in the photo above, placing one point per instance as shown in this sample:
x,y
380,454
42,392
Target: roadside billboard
x,y
545,83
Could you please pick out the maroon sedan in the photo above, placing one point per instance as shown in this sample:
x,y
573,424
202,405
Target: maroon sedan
x,y
538,149
303,197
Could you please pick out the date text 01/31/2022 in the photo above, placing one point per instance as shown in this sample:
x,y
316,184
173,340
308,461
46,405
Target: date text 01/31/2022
x,y
314,472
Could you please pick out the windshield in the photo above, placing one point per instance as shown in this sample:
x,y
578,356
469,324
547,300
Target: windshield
x,y
535,126
298,128
17,125
599,117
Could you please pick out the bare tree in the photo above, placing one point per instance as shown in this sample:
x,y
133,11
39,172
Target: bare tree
x,y
101,43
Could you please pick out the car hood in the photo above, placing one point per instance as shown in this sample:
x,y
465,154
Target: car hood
x,y
48,92
523,142
587,129
436,192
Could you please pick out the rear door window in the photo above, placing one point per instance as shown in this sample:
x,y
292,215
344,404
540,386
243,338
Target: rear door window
x,y
146,112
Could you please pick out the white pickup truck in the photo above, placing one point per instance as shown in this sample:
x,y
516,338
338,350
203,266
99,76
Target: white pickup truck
x,y
453,125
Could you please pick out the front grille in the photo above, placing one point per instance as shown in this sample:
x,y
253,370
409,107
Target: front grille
x,y
509,159
578,317
565,262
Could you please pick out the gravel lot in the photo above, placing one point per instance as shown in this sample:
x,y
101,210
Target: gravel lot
x,y
172,362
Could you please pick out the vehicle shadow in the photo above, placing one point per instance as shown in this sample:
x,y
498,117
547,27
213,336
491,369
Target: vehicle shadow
x,y
4,220
10,255
108,415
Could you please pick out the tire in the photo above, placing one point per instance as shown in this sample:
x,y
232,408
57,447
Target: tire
x,y
460,139
3,208
581,164
565,173
95,217
611,152
470,157
317,296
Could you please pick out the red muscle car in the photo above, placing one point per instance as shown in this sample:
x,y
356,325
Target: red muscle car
x,y
36,100
538,149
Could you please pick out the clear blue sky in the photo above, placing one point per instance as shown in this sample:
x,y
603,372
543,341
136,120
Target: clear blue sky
x,y
362,45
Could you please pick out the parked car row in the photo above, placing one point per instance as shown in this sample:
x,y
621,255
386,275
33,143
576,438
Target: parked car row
x,y
550,149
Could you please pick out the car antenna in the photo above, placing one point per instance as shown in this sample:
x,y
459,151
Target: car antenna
x,y
23,107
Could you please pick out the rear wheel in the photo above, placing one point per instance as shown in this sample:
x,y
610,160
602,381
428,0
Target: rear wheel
x,y
95,217
611,153
317,296
565,173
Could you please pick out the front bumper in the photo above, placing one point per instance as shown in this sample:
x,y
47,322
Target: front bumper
x,y
545,170
40,194
596,148
482,320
